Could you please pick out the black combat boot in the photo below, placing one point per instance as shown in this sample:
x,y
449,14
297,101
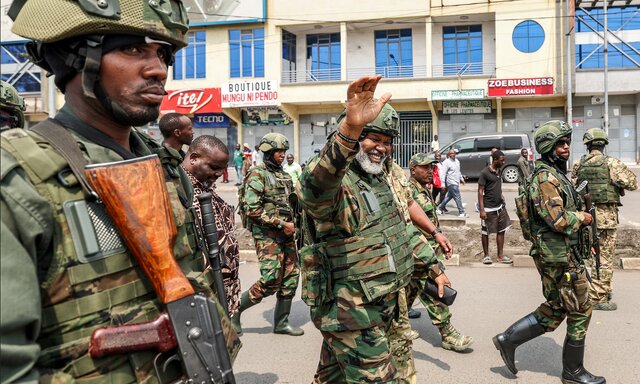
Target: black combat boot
x,y
281,318
573,371
245,303
518,333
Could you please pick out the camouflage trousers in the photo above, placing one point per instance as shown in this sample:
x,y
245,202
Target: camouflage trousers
x,y
379,354
439,313
552,312
279,269
600,290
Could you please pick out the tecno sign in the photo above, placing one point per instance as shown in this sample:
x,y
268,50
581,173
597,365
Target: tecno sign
x,y
521,87
193,100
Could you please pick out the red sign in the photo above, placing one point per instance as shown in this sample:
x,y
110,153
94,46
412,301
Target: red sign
x,y
194,100
521,87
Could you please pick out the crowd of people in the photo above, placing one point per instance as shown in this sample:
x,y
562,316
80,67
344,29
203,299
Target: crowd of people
x,y
361,239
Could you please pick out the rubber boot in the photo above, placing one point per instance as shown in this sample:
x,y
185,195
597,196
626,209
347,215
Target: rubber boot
x,y
281,318
573,371
452,339
518,333
245,302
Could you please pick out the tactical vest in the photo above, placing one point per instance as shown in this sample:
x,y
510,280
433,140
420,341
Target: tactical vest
x,y
277,188
81,293
595,169
552,246
378,254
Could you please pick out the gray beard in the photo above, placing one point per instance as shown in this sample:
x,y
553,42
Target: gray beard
x,y
367,165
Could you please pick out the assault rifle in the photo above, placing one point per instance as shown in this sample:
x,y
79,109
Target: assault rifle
x,y
296,208
136,198
595,239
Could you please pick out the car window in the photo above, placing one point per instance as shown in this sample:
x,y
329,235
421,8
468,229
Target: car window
x,y
512,142
465,145
485,144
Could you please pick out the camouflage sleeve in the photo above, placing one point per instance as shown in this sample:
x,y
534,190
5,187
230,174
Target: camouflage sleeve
x,y
574,172
621,175
547,196
26,230
400,186
253,199
319,185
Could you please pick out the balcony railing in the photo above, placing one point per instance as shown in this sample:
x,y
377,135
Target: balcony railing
x,y
391,72
310,76
464,69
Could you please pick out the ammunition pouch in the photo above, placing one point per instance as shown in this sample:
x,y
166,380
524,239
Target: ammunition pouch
x,y
574,291
316,276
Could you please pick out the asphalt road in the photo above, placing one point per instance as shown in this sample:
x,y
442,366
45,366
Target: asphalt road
x,y
489,300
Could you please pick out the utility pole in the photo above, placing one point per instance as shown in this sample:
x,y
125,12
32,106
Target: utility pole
x,y
568,32
606,71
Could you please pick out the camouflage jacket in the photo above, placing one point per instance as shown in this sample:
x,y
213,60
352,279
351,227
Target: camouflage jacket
x,y
621,178
557,220
50,311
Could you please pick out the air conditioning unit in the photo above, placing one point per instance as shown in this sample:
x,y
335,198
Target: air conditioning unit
x,y
597,100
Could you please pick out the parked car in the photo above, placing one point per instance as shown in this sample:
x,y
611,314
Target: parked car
x,y
474,153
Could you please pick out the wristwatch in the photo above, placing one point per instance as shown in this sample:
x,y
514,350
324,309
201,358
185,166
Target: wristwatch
x,y
436,231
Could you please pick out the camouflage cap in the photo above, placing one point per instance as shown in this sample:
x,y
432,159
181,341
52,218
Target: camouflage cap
x,y
387,122
49,21
273,141
421,159
11,102
549,133
595,136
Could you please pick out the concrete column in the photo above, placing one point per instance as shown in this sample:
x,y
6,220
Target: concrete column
x,y
498,114
292,112
235,114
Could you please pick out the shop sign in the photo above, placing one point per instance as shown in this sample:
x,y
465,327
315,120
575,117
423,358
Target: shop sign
x,y
249,93
463,107
192,100
521,87
210,120
455,94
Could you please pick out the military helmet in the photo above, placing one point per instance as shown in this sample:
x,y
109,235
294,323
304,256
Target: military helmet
x,y
549,133
49,21
595,136
421,159
387,122
11,102
273,141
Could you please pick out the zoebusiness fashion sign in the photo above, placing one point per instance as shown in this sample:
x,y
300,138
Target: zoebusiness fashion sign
x,y
521,87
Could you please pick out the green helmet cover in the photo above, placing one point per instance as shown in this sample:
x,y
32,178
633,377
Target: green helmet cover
x,y
11,102
273,141
595,136
421,159
387,122
549,133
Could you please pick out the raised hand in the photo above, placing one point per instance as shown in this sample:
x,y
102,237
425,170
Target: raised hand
x,y
361,107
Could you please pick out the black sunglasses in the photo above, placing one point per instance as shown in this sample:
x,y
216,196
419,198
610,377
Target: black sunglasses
x,y
563,142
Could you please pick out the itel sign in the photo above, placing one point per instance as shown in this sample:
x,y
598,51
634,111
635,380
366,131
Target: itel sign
x,y
195,100
521,87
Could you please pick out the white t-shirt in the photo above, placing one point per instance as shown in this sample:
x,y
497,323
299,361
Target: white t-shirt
x,y
435,145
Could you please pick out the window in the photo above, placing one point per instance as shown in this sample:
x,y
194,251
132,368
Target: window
x,y
621,55
246,52
289,47
190,61
462,47
512,142
25,77
528,36
465,145
394,53
485,145
323,57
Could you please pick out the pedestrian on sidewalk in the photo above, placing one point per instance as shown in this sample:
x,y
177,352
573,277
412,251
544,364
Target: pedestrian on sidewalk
x,y
238,159
453,177
437,184
524,167
494,217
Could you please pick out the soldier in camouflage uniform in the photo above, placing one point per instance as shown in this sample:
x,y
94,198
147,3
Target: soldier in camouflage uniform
x,y
11,107
608,178
422,167
557,250
111,63
361,253
267,189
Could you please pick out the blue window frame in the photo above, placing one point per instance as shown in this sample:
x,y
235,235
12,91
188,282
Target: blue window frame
x,y
528,36
394,53
323,55
191,61
591,56
25,79
462,46
246,52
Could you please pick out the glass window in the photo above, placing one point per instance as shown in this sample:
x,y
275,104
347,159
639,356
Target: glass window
x,y
289,47
24,78
323,57
589,56
190,62
528,36
462,47
466,145
394,53
485,145
246,53
512,142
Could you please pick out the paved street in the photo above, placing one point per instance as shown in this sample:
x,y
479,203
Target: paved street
x,y
489,300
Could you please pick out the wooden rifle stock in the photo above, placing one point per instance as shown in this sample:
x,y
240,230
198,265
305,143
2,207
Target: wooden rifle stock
x,y
136,199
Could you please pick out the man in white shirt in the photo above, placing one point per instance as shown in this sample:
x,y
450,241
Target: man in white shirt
x,y
435,145
256,157
292,168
